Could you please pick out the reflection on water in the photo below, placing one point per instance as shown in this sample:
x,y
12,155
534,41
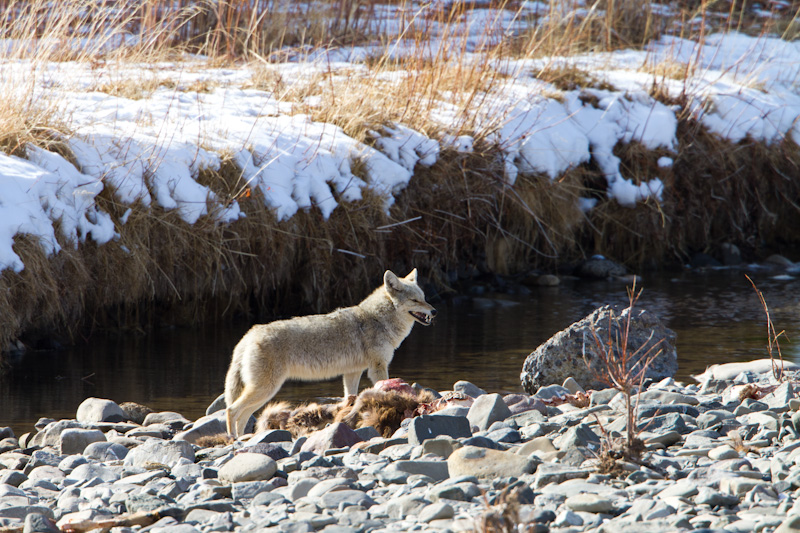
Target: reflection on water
x,y
716,315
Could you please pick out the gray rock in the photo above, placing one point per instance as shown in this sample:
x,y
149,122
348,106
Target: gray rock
x,y
427,427
43,457
105,451
714,498
13,478
8,444
335,436
547,392
74,441
437,470
39,523
464,491
523,403
144,502
589,503
89,471
270,449
572,386
156,451
170,418
21,511
270,435
217,405
404,506
99,410
666,397
442,446
554,473
488,464
561,356
367,432
266,498
248,467
135,412
49,435
603,397
723,452
468,388
6,433
504,435
436,511
486,410
790,525
46,472
778,400
580,435
665,424
69,463
206,426
345,498
598,267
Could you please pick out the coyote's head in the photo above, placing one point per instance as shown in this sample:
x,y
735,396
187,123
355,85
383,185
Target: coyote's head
x,y
407,296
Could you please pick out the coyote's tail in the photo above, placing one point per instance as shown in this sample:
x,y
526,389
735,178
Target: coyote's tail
x,y
233,384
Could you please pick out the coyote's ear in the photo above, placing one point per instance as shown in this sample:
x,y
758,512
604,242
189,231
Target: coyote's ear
x,y
412,276
392,282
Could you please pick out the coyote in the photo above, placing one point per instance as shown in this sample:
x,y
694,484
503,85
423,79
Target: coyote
x,y
342,343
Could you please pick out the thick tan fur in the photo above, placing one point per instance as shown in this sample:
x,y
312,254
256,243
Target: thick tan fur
x,y
298,421
383,410
342,343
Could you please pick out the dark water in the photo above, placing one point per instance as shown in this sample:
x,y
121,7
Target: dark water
x,y
716,315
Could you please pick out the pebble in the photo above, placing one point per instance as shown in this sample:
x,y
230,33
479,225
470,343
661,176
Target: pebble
x,y
441,472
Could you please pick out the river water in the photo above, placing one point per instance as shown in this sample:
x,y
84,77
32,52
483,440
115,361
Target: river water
x,y
483,339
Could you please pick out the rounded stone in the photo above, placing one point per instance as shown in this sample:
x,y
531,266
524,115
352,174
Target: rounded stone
x,y
248,467
589,503
99,410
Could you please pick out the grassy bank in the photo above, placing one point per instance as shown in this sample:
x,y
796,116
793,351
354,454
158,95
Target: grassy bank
x,y
460,212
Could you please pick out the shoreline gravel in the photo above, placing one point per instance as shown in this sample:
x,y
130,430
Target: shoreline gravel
x,y
714,462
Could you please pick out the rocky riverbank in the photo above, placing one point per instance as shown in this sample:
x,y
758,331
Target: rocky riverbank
x,y
721,455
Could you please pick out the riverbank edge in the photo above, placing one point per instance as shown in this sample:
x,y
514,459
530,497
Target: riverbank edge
x,y
457,219
716,456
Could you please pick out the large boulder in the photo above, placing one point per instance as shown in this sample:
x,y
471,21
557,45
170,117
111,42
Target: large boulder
x,y
561,357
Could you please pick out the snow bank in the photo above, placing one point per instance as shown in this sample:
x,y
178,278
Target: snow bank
x,y
151,151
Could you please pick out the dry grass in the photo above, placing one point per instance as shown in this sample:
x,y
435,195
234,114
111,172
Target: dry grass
x,y
773,337
624,369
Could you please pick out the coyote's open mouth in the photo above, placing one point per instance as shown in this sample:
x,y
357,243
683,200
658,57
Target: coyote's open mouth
x,y
422,318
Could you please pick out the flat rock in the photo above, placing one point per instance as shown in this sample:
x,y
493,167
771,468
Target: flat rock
x,y
437,470
248,467
270,435
488,464
156,451
589,503
427,427
170,418
206,426
345,498
547,473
